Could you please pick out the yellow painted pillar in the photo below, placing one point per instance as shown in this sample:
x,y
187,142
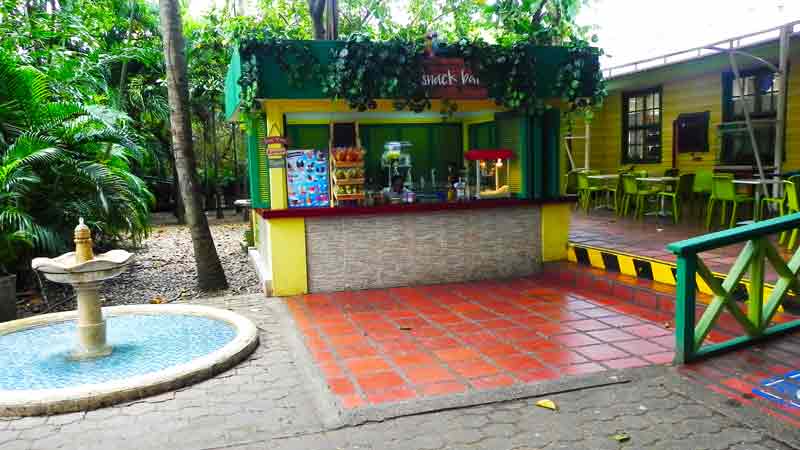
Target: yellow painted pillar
x,y
277,174
254,226
555,231
287,256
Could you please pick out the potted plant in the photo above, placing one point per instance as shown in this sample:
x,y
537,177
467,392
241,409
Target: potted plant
x,y
12,244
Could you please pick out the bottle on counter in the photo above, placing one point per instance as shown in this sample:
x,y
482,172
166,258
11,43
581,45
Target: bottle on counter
x,y
461,193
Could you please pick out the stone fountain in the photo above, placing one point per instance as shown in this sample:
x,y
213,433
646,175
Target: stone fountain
x,y
85,272
156,348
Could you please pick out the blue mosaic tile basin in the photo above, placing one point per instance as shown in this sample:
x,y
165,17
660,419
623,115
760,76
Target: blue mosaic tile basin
x,y
38,358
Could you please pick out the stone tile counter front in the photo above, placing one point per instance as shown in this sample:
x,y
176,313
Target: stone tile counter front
x,y
333,249
378,251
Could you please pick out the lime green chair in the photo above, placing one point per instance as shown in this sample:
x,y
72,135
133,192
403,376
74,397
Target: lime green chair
x,y
724,192
701,190
587,190
618,189
703,180
677,196
632,192
612,187
792,206
778,202
571,182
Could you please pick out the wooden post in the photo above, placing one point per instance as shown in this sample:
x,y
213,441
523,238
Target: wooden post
x,y
685,308
755,303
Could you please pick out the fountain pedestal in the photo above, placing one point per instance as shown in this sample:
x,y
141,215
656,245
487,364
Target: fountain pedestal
x,y
91,325
86,272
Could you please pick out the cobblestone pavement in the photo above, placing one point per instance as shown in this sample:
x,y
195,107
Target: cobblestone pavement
x,y
265,403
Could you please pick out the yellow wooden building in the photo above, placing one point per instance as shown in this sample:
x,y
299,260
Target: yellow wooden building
x,y
695,91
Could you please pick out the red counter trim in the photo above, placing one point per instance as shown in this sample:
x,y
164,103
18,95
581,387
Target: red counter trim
x,y
405,209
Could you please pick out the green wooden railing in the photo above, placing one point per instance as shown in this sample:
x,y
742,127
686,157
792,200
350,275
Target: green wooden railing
x,y
759,313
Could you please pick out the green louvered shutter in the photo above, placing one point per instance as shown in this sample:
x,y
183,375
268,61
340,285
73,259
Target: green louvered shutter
x,y
512,134
257,162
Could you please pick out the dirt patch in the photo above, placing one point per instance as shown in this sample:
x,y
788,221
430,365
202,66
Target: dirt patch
x,y
164,271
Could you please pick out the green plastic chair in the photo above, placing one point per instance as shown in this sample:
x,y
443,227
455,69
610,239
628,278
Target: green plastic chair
x,y
724,192
702,182
701,189
571,183
587,189
779,203
633,192
618,189
792,206
613,187
682,191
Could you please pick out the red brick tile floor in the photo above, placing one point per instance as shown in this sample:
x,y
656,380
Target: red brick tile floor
x,y
649,238
380,346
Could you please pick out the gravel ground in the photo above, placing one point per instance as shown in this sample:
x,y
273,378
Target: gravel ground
x,y
164,269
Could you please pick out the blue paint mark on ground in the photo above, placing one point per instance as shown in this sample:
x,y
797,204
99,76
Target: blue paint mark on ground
x,y
783,390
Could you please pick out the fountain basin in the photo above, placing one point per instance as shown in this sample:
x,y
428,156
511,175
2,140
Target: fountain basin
x,y
66,269
158,348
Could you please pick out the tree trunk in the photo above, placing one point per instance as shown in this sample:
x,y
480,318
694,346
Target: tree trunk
x,y
215,150
207,191
316,9
180,212
209,269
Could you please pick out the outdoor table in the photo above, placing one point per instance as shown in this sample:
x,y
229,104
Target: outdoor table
x,y
755,182
659,180
605,178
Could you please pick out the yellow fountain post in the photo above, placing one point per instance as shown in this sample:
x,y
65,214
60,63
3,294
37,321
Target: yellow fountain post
x,y
91,325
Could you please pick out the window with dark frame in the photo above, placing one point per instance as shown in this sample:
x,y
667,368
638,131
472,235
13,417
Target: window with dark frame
x,y
759,95
641,126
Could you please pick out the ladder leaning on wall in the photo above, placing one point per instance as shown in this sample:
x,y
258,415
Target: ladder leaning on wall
x,y
781,78
586,137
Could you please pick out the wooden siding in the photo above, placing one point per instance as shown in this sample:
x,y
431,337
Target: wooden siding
x,y
684,95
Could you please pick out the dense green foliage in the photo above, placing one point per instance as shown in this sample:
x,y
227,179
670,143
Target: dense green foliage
x,y
60,161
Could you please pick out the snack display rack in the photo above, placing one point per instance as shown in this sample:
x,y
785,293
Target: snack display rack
x,y
347,175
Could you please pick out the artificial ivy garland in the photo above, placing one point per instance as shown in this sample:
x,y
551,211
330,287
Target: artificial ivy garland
x,y
364,70
294,58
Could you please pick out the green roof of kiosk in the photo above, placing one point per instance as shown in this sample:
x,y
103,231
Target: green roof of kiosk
x,y
274,83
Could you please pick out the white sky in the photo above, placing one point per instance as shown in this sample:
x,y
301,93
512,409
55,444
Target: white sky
x,y
631,30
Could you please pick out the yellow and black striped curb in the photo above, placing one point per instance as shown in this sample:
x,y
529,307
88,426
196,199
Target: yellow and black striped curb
x,y
644,268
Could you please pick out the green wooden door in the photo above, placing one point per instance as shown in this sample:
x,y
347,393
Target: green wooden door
x,y
551,153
